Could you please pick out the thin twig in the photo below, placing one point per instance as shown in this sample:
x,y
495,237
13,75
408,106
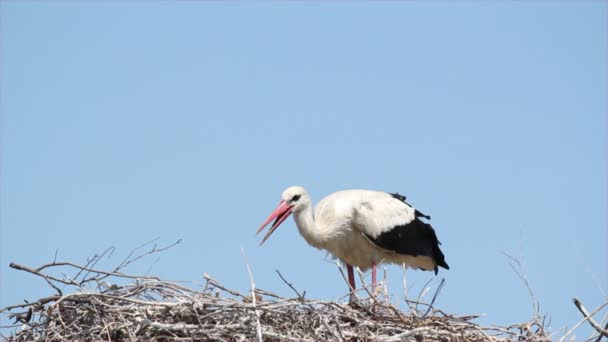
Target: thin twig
x,y
520,270
413,310
253,299
589,317
300,296
437,291
352,291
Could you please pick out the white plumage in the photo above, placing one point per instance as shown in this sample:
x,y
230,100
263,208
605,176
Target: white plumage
x,y
362,228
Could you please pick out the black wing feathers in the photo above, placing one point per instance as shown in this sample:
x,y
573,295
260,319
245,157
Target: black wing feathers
x,y
402,198
414,238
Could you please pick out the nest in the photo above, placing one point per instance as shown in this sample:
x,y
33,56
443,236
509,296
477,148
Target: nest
x,y
114,306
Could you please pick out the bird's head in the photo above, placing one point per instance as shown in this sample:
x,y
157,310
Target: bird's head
x,y
294,199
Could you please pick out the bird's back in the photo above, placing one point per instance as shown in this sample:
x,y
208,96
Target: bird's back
x,y
372,211
340,205
359,219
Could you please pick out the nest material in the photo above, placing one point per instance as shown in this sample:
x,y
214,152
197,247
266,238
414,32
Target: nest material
x,y
150,309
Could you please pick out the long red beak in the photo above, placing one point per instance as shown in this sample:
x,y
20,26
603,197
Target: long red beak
x,y
280,214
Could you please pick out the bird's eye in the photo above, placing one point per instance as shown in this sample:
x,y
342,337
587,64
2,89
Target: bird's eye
x,y
295,198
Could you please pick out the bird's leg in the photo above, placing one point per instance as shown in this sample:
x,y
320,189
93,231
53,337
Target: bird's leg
x,y
374,277
351,282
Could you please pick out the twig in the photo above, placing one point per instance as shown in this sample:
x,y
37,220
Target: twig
x,y
439,287
69,281
569,332
365,287
589,317
46,277
128,260
216,284
522,274
39,302
253,299
300,296
413,310
92,263
350,292
425,289
599,337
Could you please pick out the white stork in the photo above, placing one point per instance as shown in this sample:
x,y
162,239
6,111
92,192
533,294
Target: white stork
x,y
362,228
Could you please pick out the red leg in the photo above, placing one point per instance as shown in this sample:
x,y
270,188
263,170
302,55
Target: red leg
x,y
351,282
373,277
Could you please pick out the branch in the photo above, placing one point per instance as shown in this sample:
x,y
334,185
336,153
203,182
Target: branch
x,y
434,297
588,317
258,325
154,249
46,277
300,296
521,273
39,302
70,281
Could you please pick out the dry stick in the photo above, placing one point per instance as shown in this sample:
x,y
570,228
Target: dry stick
x,y
167,326
128,257
301,297
46,277
407,301
423,292
198,317
401,336
385,284
582,321
153,250
588,317
55,257
365,286
38,270
152,265
375,300
92,263
119,299
481,331
216,284
522,274
253,299
434,296
270,294
600,336
126,325
40,302
329,330
106,329
338,329
351,291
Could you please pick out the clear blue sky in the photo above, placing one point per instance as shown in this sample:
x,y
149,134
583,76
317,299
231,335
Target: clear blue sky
x,y
123,122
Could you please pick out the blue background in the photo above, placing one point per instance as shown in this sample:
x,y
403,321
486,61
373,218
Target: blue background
x,y
124,122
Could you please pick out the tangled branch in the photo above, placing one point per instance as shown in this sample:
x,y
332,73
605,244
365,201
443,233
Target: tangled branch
x,y
115,306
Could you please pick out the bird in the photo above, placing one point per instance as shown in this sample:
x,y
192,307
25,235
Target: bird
x,y
362,228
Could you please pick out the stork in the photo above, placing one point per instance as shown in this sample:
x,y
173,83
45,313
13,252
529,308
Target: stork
x,y
362,228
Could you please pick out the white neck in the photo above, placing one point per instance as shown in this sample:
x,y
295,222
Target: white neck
x,y
308,227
